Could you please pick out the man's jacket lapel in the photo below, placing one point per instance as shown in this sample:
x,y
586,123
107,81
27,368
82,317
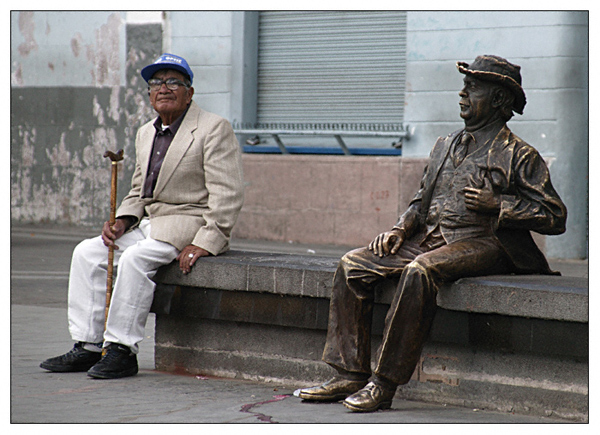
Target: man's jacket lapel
x,y
145,151
181,142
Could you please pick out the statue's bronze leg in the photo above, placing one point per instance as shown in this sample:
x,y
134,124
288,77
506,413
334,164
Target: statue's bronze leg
x,y
411,313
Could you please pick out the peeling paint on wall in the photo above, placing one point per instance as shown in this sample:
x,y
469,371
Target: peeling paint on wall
x,y
104,55
27,28
76,43
60,132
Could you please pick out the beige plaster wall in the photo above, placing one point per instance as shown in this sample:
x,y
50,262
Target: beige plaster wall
x,y
337,200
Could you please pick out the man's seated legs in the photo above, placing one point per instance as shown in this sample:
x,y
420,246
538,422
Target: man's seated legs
x,y
131,300
136,262
412,310
87,285
134,290
348,346
87,301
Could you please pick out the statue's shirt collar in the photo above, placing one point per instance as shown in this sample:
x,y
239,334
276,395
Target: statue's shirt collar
x,y
487,133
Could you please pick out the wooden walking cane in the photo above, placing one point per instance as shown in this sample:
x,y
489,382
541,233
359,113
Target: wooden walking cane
x,y
115,158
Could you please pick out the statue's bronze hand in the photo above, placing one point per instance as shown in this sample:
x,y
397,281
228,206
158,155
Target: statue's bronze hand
x,y
483,200
387,243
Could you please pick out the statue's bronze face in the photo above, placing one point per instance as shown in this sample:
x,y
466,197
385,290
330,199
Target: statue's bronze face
x,y
476,102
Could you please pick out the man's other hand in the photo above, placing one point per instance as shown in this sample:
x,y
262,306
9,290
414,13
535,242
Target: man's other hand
x,y
188,256
110,234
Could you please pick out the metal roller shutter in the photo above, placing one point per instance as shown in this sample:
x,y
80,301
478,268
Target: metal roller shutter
x,y
331,66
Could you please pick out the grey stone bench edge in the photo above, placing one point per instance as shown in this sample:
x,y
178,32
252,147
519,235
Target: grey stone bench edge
x,y
535,296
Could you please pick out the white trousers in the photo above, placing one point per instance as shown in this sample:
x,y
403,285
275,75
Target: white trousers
x,y
135,264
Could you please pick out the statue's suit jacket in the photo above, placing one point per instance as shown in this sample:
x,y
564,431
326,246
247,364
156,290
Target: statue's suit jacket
x,y
199,190
529,202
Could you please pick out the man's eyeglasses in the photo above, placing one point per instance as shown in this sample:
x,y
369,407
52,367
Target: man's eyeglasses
x,y
172,84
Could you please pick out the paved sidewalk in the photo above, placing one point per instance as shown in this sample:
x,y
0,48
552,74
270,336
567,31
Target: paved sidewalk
x,y
39,271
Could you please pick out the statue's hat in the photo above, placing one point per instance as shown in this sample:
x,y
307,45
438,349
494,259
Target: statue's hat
x,y
499,70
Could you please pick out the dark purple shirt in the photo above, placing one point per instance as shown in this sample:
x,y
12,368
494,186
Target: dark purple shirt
x,y
162,141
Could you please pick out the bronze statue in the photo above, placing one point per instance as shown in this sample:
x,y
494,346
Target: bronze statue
x,y
483,191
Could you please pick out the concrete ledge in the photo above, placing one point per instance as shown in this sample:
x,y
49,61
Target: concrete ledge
x,y
290,274
538,296
508,343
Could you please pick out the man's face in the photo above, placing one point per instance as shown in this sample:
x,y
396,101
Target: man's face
x,y
476,102
170,104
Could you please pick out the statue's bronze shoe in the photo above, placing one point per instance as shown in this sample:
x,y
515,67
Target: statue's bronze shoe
x,y
332,390
370,398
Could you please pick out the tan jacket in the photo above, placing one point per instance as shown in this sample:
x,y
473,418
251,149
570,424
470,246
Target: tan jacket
x,y
199,191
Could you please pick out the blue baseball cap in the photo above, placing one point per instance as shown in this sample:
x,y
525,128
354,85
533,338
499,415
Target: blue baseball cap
x,y
168,61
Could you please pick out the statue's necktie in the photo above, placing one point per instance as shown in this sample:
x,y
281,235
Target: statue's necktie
x,y
461,149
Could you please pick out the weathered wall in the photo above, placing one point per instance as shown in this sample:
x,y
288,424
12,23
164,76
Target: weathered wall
x,y
76,92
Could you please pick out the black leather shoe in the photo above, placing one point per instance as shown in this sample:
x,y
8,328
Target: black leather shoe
x,y
119,362
335,389
77,359
369,399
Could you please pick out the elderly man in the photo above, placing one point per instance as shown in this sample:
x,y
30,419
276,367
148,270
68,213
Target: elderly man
x,y
482,192
186,193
